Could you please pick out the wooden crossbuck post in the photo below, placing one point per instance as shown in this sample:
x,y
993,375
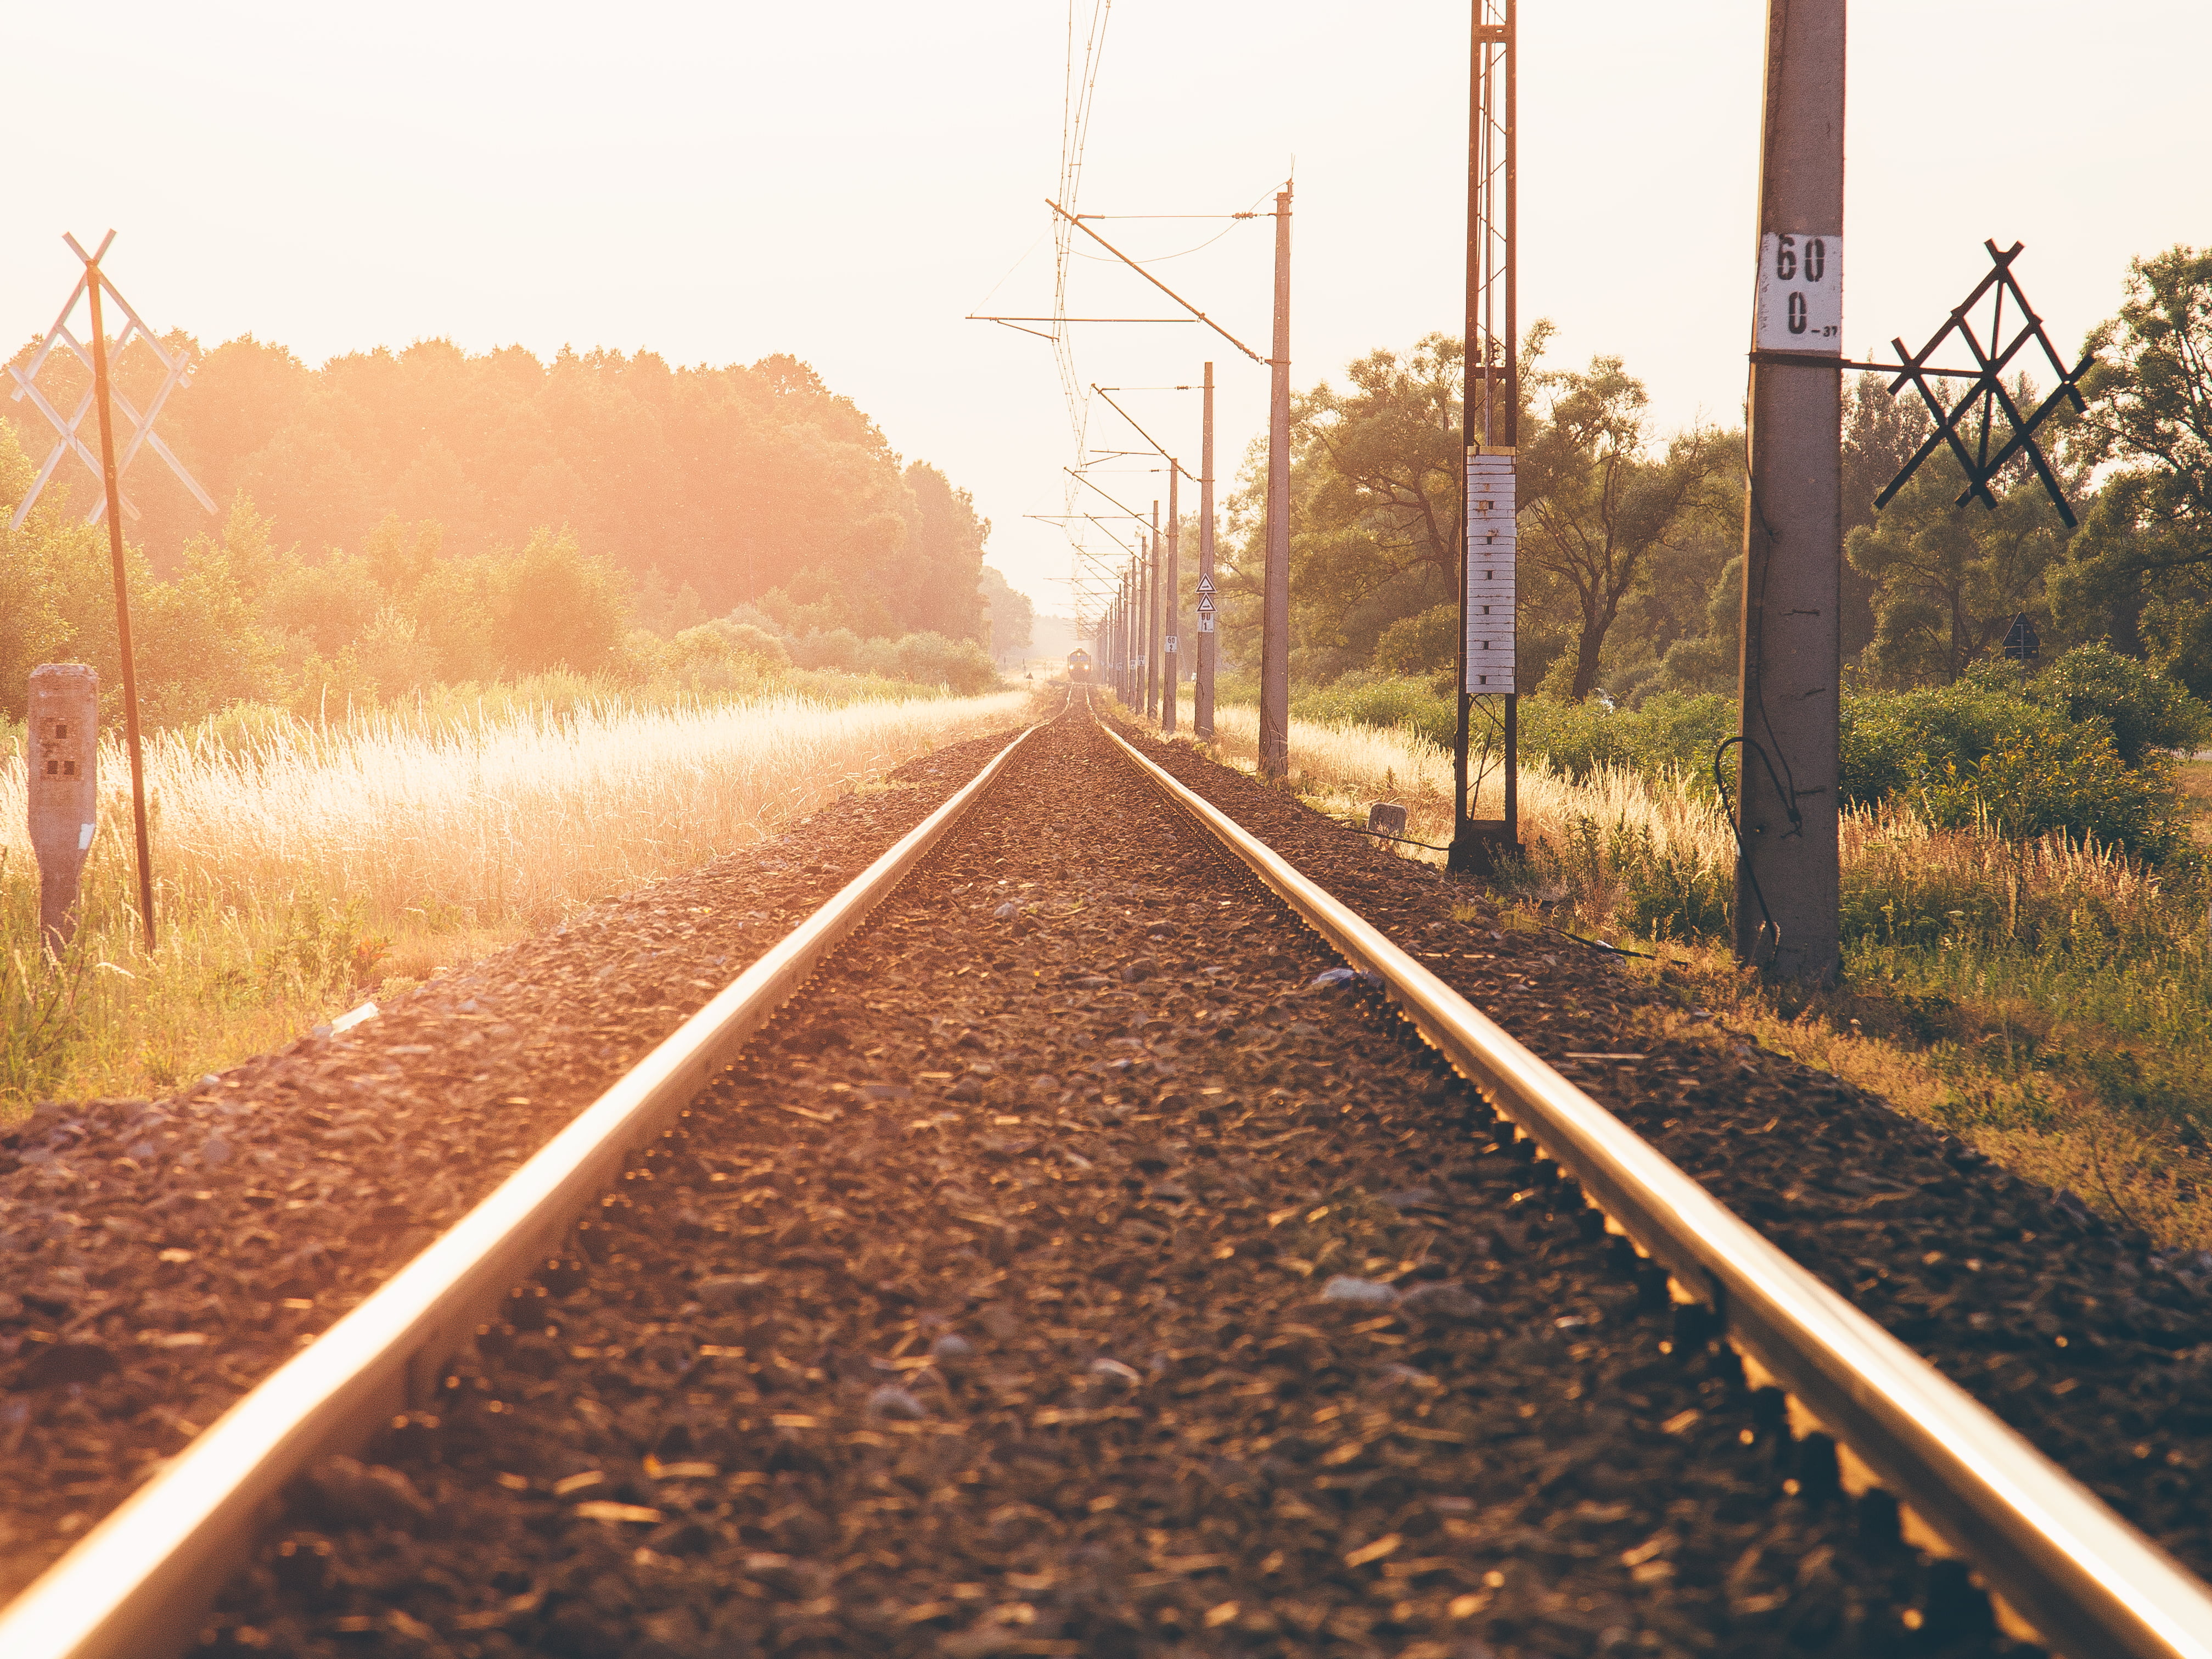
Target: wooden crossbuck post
x,y
94,283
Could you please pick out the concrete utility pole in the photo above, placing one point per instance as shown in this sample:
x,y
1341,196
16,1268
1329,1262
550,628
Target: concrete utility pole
x,y
1137,665
1275,590
1110,646
1127,609
1154,616
1132,681
1147,658
1124,652
1170,603
63,789
1201,695
1119,668
1787,886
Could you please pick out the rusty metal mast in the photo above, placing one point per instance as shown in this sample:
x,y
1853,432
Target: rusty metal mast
x,y
1486,738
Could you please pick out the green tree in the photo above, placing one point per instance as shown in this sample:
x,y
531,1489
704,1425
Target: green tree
x,y
33,628
458,612
1881,432
940,566
560,607
1375,509
1597,501
198,640
330,603
1949,579
2143,710
1013,618
1377,481
2143,558
734,481
1426,642
2082,748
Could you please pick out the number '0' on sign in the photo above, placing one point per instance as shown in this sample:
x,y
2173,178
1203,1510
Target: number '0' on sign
x,y
1801,293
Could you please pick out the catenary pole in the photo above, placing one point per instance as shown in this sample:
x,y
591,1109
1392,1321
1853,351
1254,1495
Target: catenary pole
x,y
1136,631
1109,664
122,602
1122,651
1171,605
1201,697
1127,612
1141,691
1128,642
1152,630
1275,588
1118,668
1787,887
1115,665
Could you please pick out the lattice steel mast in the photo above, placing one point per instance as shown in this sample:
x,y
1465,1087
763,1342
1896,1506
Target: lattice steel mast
x,y
1487,741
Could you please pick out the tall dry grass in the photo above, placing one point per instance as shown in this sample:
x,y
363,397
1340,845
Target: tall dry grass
x,y
295,866
1343,768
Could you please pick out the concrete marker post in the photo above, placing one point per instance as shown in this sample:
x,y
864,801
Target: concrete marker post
x,y
63,759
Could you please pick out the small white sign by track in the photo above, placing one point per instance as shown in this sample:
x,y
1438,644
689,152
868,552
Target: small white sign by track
x,y
1801,293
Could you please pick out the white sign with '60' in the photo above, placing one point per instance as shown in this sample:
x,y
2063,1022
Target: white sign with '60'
x,y
1801,293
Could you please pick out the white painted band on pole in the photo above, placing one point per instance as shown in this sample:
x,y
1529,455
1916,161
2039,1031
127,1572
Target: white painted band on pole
x,y
1491,585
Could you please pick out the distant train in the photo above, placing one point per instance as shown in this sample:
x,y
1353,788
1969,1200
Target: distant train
x,y
1079,666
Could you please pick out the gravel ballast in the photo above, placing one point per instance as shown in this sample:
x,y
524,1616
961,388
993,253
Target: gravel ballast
x,y
2080,1334
1068,1270
1072,1270
158,1258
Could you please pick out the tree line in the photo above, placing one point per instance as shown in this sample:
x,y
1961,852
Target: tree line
x,y
1630,538
394,518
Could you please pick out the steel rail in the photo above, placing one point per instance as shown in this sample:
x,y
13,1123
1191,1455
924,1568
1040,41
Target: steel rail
x,y
138,1585
2061,1568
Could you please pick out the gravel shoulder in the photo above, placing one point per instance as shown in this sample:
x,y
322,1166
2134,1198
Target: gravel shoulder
x,y
2082,1335
158,1258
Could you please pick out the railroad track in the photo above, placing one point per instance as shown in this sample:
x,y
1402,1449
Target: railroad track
x,y
1096,1324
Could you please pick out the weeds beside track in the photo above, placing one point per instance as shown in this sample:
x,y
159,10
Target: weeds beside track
x,y
299,869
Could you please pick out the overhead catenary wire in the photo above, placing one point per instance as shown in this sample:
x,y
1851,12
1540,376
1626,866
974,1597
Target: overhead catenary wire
x,y
1078,99
1081,479
1171,461
1162,258
1070,217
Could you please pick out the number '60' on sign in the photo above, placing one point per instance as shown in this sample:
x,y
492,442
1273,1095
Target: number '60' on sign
x,y
1801,293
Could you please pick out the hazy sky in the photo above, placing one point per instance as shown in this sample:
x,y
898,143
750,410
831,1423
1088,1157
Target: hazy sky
x,y
718,182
